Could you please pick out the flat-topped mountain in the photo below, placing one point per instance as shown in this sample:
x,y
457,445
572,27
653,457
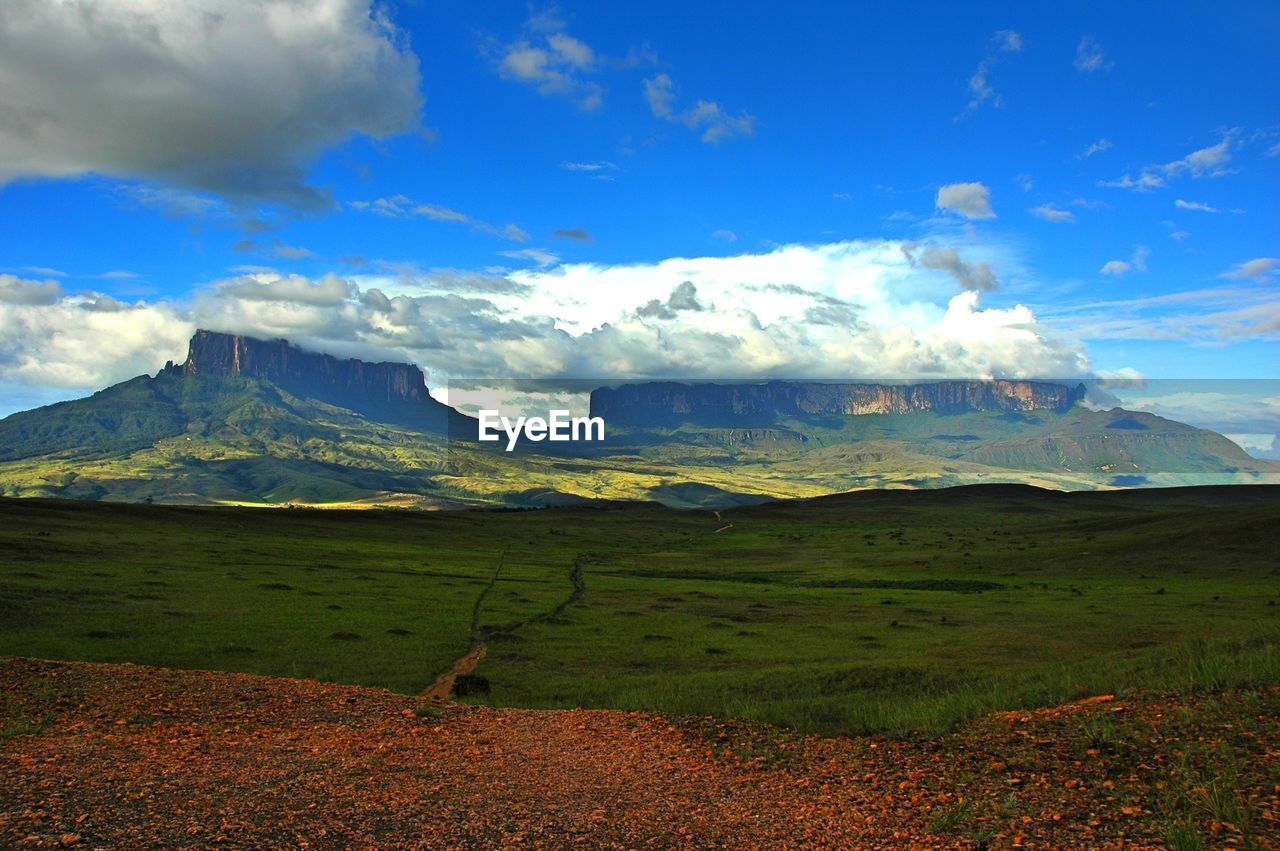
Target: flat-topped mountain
x,y
230,383
244,420
310,373
734,405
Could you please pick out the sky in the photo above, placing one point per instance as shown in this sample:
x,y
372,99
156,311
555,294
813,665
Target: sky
x,y
664,189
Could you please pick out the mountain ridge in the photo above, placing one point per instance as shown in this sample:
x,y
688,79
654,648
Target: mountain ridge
x,y
665,403
251,421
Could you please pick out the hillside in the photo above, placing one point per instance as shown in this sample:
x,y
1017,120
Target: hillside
x,y
264,422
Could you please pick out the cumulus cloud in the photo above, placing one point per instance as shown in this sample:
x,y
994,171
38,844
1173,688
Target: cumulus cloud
x,y
61,344
1053,213
714,121
1090,56
1258,269
683,297
838,310
977,277
1136,263
553,62
226,97
981,90
15,290
971,200
1204,162
329,291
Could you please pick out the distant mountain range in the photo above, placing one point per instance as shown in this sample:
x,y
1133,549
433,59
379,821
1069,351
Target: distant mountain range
x,y
264,422
669,404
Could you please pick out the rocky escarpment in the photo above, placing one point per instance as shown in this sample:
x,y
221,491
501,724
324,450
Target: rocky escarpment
x,y
280,362
668,403
386,392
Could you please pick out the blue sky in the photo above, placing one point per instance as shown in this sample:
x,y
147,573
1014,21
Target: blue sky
x,y
505,189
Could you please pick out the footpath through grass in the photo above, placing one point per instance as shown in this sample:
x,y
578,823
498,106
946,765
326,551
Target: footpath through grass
x,y
890,611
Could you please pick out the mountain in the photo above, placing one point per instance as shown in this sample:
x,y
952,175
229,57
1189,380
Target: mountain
x,y
747,405
251,421
219,370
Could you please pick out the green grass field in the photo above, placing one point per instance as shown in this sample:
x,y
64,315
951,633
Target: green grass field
x,y
893,611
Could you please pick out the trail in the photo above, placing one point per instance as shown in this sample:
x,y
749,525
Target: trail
x,y
442,687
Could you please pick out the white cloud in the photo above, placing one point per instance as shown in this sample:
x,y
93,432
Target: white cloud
x,y
1136,263
980,89
725,235
274,248
1258,269
595,167
1009,41
1090,56
715,123
1053,213
538,256
221,96
841,309
1203,162
61,344
1097,147
329,291
1255,443
1214,315
22,291
971,200
402,207
553,62
440,214
1201,207
1026,181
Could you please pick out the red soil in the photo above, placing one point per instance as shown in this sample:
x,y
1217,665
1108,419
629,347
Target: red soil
x,y
133,757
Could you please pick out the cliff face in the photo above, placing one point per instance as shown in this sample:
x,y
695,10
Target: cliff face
x,y
309,373
665,403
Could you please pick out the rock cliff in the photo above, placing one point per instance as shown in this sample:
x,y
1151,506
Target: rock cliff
x,y
216,354
668,403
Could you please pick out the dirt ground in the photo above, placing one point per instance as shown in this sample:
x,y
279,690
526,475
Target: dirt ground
x,y
124,756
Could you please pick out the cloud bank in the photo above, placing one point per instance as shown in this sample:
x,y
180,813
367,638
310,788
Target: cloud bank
x,y
872,309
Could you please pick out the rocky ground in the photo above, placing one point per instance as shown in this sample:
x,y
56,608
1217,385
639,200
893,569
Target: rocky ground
x,y
122,756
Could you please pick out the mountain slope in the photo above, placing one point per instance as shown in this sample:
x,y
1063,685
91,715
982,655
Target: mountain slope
x,y
263,422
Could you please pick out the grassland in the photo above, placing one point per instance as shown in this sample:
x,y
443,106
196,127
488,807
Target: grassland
x,y
877,611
